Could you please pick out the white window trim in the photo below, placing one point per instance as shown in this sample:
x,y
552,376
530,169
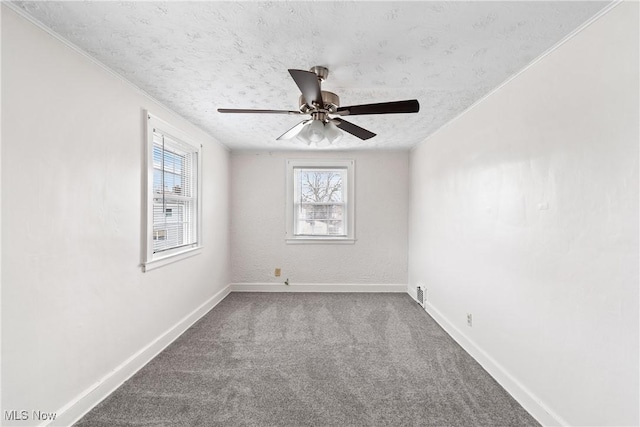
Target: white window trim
x,y
291,238
151,260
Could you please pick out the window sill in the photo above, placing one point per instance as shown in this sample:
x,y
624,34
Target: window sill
x,y
320,241
169,259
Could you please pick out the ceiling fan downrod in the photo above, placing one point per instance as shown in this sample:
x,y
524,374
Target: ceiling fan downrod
x,y
321,72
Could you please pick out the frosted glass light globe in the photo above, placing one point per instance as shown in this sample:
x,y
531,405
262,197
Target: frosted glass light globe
x,y
332,133
315,131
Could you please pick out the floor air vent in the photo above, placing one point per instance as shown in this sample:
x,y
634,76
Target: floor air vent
x,y
420,294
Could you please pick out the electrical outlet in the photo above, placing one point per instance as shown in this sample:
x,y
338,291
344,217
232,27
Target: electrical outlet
x,y
469,320
278,272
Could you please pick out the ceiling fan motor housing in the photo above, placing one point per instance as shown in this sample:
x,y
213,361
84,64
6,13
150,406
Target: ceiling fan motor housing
x,y
330,100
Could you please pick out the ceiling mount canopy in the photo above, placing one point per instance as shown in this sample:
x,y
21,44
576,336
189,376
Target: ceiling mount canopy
x,y
325,111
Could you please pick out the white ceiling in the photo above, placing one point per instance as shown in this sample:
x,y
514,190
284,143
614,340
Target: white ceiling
x,y
196,57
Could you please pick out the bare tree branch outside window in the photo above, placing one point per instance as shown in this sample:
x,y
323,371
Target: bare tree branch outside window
x,y
321,186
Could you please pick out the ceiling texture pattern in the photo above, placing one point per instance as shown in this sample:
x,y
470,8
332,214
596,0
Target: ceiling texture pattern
x,y
195,57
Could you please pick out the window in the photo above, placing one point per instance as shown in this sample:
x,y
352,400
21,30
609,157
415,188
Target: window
x,y
173,194
320,201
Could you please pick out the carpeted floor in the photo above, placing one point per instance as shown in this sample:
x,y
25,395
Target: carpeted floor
x,y
298,359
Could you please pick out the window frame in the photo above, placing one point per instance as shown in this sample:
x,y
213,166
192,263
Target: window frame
x,y
153,260
349,194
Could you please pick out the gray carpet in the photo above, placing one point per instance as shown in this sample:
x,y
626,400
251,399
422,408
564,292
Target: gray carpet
x,y
293,359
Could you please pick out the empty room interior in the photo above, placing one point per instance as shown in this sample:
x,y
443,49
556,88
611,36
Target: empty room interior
x,y
320,213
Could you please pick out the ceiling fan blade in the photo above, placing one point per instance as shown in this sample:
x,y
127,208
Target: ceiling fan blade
x,y
294,130
309,85
353,129
237,110
409,106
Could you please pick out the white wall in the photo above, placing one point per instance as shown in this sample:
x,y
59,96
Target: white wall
x,y
524,212
75,303
379,255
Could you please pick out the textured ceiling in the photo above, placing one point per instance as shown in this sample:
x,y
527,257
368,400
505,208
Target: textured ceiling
x,y
196,57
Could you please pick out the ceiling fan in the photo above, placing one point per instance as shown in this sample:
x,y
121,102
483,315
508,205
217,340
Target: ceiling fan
x,y
323,107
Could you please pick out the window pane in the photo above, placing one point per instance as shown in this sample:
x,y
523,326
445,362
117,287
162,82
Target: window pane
x,y
319,201
319,185
173,162
320,219
174,219
157,181
171,173
172,224
172,183
157,154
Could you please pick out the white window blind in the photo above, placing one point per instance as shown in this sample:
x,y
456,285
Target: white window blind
x,y
174,193
173,202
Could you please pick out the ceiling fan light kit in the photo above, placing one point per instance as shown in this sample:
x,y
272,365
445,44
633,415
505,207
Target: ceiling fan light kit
x,y
320,134
322,129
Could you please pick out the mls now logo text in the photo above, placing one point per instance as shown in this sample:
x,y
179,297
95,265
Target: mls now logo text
x,y
17,415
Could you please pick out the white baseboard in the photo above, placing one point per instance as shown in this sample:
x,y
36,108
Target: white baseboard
x,y
412,291
520,393
83,403
317,287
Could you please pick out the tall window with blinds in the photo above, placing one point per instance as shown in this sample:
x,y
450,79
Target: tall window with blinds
x,y
320,200
173,193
